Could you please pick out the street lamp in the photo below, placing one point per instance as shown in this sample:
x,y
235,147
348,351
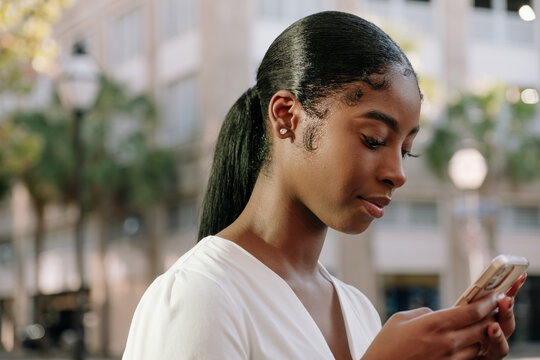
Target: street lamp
x,y
78,86
526,13
468,169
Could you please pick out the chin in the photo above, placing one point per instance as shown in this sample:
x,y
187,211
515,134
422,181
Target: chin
x,y
353,227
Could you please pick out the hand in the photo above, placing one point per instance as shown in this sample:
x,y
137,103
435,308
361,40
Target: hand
x,y
496,346
454,333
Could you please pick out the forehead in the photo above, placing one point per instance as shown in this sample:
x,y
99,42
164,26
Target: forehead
x,y
396,78
394,93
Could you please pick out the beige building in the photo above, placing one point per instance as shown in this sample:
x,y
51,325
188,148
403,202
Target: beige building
x,y
197,57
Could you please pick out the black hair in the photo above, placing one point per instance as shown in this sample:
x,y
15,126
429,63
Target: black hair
x,y
315,57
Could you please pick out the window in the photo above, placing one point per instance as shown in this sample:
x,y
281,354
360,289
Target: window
x,y
288,10
526,217
125,36
423,214
176,17
520,218
406,292
270,9
180,112
484,4
6,253
514,5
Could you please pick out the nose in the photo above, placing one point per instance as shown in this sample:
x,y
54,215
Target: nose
x,y
393,173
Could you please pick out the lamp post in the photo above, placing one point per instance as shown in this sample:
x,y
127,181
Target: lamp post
x,y
468,169
78,86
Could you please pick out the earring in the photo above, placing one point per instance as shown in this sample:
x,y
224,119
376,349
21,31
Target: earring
x,y
282,131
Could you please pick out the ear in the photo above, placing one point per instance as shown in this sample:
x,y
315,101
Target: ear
x,y
284,113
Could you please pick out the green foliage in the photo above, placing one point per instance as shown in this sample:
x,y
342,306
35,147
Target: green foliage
x,y
26,46
501,131
122,167
440,150
152,176
524,162
49,179
19,151
19,148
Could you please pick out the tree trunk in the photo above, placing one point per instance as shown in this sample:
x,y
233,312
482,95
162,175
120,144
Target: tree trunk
x,y
154,217
101,284
39,239
39,236
21,309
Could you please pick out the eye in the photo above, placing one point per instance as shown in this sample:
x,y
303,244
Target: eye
x,y
372,143
406,153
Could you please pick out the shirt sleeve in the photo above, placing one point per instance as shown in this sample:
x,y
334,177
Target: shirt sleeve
x,y
186,315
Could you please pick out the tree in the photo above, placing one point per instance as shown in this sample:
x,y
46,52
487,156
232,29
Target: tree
x,y
48,180
25,43
124,171
19,150
502,131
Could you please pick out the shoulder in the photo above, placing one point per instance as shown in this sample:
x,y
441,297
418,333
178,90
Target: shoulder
x,y
186,308
200,273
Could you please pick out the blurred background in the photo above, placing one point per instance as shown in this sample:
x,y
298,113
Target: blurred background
x,y
109,112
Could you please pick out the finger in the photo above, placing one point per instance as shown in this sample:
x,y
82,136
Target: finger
x,y
506,317
517,285
465,315
467,353
412,314
498,344
484,347
473,334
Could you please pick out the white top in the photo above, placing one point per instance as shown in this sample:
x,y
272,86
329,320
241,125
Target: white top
x,y
220,302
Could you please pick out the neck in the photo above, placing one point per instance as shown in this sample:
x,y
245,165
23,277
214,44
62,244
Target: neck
x,y
280,231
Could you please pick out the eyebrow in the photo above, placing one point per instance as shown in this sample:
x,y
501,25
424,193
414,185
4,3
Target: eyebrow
x,y
390,121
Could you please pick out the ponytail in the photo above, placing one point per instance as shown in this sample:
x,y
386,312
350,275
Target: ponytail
x,y
240,152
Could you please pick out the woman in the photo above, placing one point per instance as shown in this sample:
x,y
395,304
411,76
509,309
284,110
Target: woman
x,y
318,142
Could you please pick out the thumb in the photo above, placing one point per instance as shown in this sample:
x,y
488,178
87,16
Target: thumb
x,y
411,314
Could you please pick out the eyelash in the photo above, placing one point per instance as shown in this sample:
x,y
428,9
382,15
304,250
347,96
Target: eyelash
x,y
409,154
373,144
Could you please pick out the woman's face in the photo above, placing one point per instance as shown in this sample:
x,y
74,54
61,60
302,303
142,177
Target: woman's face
x,y
358,162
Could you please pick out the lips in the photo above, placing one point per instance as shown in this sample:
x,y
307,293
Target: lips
x,y
375,205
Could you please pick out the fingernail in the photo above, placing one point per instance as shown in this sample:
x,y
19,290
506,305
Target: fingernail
x,y
497,333
500,297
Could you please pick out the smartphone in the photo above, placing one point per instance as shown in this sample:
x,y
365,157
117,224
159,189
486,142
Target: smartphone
x,y
497,277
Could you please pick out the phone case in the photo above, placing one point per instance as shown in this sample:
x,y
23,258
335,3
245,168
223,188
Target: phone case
x,y
497,277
